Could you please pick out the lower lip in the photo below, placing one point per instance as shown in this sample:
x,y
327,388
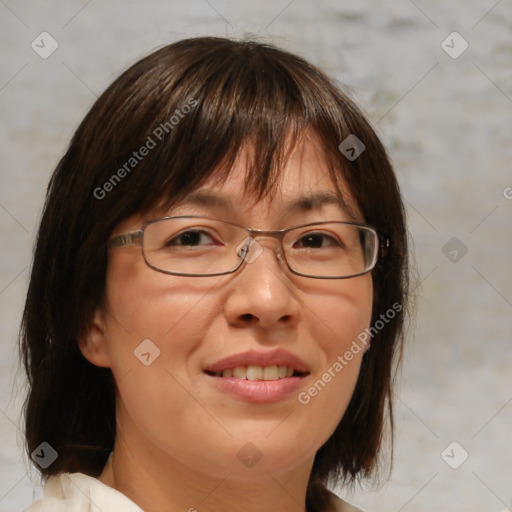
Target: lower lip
x,y
259,391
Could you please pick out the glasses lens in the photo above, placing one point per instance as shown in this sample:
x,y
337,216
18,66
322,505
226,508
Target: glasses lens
x,y
192,245
204,246
332,249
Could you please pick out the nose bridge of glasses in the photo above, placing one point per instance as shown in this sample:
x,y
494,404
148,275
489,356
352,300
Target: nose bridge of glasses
x,y
253,245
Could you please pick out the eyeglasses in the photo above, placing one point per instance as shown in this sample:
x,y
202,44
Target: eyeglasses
x,y
197,246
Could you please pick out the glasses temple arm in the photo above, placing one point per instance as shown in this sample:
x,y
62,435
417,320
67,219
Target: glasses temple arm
x,y
125,239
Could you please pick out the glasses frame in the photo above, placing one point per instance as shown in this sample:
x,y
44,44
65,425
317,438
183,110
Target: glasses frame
x,y
136,237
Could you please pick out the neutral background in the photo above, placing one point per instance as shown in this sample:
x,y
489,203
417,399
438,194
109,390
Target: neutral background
x,y
447,123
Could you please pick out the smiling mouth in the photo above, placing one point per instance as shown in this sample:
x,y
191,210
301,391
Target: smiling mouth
x,y
255,372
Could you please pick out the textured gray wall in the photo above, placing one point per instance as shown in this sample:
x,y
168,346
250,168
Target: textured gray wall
x,y
447,123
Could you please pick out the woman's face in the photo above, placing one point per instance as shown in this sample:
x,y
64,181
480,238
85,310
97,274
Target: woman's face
x,y
169,405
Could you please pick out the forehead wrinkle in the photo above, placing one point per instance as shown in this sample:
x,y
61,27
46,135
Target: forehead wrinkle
x,y
314,197
317,200
303,203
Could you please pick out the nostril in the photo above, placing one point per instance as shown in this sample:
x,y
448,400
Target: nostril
x,y
247,316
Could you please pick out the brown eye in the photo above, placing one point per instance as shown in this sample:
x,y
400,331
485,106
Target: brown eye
x,y
191,238
316,241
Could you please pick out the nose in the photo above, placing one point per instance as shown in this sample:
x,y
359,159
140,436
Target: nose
x,y
261,294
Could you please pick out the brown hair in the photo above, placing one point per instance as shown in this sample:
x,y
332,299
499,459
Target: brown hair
x,y
237,92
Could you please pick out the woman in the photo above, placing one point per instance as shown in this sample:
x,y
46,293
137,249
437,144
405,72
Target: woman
x,y
218,291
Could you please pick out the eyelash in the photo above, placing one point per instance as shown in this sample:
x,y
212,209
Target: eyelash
x,y
303,236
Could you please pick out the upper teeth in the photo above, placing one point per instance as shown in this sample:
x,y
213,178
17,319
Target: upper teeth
x,y
254,372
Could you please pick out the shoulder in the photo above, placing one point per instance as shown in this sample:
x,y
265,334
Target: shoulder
x,y
338,505
80,493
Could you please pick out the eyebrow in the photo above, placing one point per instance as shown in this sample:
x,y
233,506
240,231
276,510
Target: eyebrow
x,y
314,201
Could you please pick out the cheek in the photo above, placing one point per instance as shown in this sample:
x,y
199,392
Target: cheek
x,y
173,314
339,317
338,325
146,305
153,326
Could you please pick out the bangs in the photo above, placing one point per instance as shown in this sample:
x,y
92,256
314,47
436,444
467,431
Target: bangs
x,y
199,109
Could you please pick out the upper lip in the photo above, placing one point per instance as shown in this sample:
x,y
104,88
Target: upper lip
x,y
277,357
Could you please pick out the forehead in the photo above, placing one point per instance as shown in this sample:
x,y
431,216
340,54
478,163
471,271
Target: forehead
x,y
304,183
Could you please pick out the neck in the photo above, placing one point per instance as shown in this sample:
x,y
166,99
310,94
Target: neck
x,y
157,482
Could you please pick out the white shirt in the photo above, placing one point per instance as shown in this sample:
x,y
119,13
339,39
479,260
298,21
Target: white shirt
x,y
76,492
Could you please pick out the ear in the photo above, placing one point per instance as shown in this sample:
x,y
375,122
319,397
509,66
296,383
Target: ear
x,y
93,343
